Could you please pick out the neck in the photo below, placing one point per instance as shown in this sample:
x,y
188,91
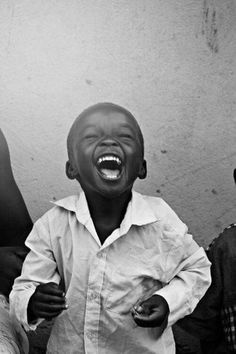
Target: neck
x,y
107,214
100,206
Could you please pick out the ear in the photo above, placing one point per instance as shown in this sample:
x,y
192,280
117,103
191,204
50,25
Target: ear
x,y
143,170
70,171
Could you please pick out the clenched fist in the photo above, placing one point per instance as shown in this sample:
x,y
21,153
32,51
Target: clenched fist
x,y
47,301
151,312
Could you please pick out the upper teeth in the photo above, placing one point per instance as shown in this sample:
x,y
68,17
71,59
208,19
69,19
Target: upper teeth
x,y
109,158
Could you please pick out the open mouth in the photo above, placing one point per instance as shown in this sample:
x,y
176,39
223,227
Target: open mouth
x,y
109,166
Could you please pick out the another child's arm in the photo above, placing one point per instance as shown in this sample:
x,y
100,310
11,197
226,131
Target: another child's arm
x,y
15,223
11,259
213,319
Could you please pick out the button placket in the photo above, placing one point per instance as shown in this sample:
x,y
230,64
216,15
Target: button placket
x,y
92,314
93,296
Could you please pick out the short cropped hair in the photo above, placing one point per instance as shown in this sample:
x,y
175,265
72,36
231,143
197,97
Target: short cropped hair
x,y
99,107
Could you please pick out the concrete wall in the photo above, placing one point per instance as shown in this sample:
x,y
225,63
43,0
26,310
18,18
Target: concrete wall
x,y
172,63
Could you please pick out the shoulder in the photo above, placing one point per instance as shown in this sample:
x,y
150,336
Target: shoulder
x,y
158,205
52,225
225,242
165,214
61,210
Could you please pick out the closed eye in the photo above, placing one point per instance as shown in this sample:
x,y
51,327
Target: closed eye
x,y
126,136
91,136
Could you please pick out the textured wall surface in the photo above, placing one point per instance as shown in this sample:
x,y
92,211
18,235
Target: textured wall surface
x,y
172,63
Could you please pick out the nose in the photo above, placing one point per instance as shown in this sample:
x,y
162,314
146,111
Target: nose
x,y
108,141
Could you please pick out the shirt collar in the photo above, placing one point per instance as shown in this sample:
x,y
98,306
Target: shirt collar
x,y
77,204
138,212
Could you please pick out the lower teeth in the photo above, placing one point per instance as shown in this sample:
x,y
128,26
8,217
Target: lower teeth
x,y
111,174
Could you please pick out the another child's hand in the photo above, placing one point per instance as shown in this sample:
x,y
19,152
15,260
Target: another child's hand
x,y
48,301
151,312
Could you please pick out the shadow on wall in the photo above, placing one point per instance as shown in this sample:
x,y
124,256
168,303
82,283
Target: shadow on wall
x,y
209,25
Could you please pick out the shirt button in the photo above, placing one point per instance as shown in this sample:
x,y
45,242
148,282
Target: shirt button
x,y
90,335
101,255
93,296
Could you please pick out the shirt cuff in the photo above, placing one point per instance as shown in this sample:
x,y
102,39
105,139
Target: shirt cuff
x,y
172,298
19,306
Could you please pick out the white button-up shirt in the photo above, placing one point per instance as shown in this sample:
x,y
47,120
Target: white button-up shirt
x,y
151,253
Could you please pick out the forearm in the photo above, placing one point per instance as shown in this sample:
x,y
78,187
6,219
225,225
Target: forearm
x,y
185,290
39,268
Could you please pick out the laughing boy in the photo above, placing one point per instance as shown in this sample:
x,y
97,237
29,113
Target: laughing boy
x,y
114,268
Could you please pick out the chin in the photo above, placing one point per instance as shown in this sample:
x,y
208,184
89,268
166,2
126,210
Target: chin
x,y
113,193
110,195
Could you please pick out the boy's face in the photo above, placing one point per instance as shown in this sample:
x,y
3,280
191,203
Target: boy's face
x,y
107,153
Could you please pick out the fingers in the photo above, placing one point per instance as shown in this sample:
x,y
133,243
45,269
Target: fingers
x,y
50,308
151,313
48,311
50,295
50,299
143,309
153,319
47,302
50,289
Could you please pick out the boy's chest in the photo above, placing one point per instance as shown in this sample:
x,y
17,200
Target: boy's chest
x,y
139,254
119,274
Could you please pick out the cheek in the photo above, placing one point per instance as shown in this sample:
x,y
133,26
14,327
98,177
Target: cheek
x,y
83,165
135,164
82,159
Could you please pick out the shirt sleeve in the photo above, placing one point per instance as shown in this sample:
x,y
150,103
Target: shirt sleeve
x,y
188,277
39,267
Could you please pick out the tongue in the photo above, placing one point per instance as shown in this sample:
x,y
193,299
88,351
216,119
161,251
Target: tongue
x,y
110,173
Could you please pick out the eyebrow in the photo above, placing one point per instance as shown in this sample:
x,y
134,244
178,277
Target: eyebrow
x,y
127,126
88,126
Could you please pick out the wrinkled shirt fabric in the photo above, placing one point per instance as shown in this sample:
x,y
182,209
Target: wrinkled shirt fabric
x,y
150,253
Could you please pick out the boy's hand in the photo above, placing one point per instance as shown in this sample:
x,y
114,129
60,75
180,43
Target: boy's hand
x,y
151,312
48,301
